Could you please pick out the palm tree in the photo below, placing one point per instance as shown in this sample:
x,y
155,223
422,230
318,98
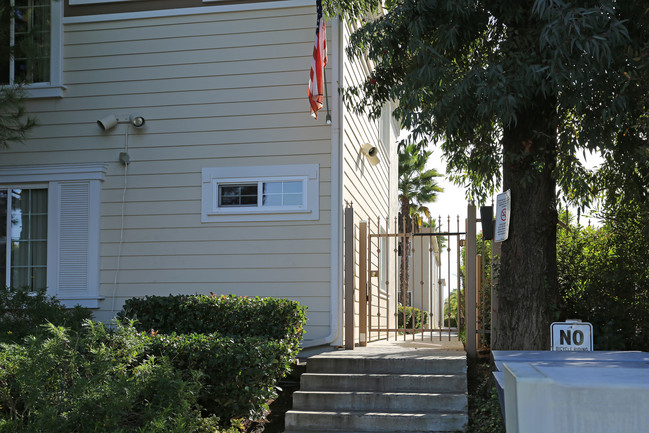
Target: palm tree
x,y
417,187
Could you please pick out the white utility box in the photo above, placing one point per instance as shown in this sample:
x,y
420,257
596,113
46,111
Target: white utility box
x,y
576,398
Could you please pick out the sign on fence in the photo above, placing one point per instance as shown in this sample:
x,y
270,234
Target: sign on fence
x,y
571,336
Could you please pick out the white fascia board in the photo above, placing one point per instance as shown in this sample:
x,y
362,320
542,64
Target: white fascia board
x,y
186,11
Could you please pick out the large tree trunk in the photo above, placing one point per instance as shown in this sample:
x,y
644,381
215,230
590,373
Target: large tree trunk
x,y
527,282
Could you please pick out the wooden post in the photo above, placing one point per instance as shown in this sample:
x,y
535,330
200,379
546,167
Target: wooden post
x,y
349,278
470,292
362,284
478,289
495,261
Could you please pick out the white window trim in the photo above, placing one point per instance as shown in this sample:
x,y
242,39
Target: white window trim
x,y
53,172
214,176
53,176
54,88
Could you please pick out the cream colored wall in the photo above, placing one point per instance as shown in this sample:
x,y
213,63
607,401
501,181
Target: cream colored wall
x,y
424,275
218,89
371,189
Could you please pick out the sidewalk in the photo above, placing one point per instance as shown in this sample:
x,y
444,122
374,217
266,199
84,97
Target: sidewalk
x,y
408,348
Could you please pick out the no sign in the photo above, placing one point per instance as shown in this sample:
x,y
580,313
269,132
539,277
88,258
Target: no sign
x,y
571,336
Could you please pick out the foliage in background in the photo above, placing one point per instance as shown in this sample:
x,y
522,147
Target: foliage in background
x,y
483,301
450,310
604,279
414,318
417,185
96,380
24,311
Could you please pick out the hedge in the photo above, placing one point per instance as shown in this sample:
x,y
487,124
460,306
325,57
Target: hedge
x,y
239,374
242,346
226,314
415,318
24,310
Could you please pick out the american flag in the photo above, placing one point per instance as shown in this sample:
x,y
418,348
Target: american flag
x,y
316,80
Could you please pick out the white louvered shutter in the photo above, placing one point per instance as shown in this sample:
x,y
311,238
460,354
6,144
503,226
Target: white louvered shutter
x,y
74,239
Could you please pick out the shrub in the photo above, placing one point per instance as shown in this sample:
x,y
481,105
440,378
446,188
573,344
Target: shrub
x,y
450,323
96,380
243,346
414,317
228,315
239,374
23,311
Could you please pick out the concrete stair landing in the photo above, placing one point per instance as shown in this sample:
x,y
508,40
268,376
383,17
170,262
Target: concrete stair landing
x,y
385,387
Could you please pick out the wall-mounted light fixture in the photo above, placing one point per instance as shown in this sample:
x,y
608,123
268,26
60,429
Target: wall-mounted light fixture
x,y
371,152
136,120
109,122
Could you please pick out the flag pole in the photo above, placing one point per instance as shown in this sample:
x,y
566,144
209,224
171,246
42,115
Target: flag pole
x,y
326,95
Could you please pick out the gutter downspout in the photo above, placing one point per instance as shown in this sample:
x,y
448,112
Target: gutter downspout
x,y
336,242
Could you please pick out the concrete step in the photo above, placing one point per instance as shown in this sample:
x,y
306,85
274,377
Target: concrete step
x,y
361,421
447,383
415,364
380,401
317,430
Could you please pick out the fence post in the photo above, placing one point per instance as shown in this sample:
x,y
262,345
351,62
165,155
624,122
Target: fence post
x,y
349,278
362,284
470,292
495,271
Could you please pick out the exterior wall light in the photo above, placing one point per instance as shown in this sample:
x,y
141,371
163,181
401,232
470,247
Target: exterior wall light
x,y
109,122
371,152
137,120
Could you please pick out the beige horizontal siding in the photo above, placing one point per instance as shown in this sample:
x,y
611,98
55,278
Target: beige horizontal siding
x,y
179,98
368,187
216,90
164,247
291,290
364,185
219,276
207,261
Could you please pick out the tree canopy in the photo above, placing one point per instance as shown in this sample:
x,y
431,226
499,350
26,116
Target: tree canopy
x,y
513,92
464,70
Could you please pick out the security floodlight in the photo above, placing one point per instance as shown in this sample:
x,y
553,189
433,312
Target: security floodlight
x,y
112,120
371,152
137,120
